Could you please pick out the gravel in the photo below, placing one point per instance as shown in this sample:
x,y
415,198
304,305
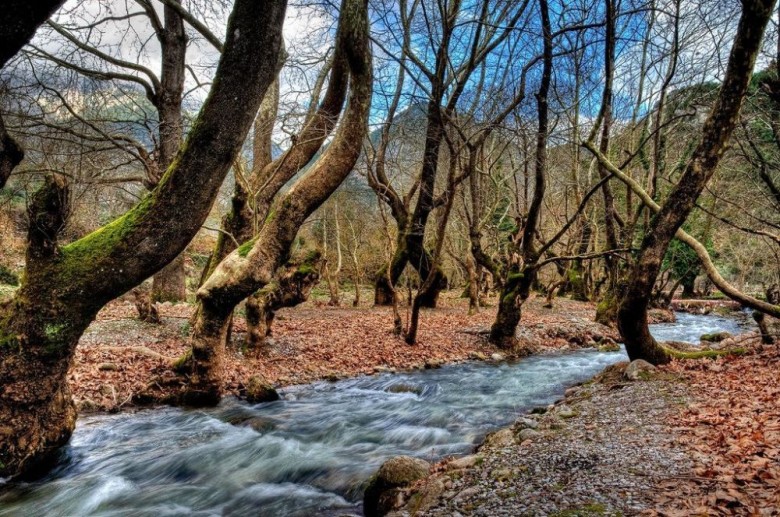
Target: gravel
x,y
604,458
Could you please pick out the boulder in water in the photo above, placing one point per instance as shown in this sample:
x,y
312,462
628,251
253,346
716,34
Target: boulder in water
x,y
715,337
258,390
383,493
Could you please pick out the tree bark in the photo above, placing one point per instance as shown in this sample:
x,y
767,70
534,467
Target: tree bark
x,y
632,313
170,284
288,289
65,286
252,266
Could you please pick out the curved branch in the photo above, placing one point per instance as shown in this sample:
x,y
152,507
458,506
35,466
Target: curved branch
x,y
704,256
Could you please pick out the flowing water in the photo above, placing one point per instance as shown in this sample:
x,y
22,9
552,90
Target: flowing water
x,y
307,454
690,327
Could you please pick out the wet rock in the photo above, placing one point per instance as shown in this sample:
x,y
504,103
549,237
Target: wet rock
x,y
261,425
715,337
382,494
404,388
466,462
608,345
639,370
499,439
258,390
498,357
528,434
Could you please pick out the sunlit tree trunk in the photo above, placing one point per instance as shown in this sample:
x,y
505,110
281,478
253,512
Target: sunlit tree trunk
x,y
253,264
65,286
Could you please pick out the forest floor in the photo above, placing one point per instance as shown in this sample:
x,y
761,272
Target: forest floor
x,y
696,437
120,357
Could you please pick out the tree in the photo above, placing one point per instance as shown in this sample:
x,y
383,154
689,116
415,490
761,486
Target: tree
x,y
637,289
444,82
64,286
254,264
18,22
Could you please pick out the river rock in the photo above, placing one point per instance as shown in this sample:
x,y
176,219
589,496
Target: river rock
x,y
526,423
564,411
258,390
639,369
500,439
427,496
715,337
382,494
404,388
477,356
528,434
466,462
498,357
608,345
466,494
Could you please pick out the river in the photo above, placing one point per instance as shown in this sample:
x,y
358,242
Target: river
x,y
306,454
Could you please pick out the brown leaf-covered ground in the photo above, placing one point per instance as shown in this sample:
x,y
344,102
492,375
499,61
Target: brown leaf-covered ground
x,y
731,429
119,356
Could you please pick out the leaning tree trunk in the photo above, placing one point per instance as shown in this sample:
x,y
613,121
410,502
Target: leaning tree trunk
x,y
633,310
253,264
65,286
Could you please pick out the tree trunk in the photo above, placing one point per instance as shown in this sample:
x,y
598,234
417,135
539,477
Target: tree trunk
x,y
520,278
65,286
169,285
252,266
576,273
420,259
288,289
632,313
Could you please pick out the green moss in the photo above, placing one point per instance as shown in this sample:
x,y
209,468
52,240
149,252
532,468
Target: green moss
x,y
8,277
588,510
245,248
701,354
180,363
86,253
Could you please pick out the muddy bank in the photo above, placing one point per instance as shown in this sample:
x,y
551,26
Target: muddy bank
x,y
120,357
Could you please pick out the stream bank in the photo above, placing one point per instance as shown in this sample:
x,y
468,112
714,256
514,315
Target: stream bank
x,y
696,437
121,361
